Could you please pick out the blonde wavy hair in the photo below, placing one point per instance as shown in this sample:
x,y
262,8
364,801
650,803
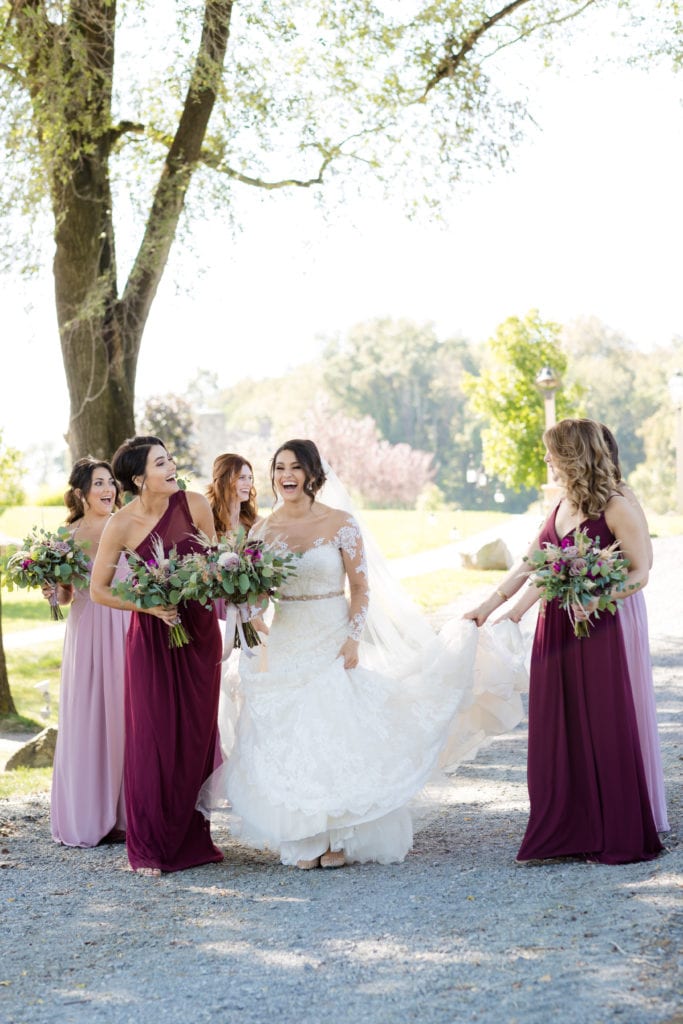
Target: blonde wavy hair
x,y
582,464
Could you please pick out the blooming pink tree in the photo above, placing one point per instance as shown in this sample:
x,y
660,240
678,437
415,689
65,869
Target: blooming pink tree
x,y
375,471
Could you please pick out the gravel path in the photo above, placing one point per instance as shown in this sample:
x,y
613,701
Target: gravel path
x,y
457,933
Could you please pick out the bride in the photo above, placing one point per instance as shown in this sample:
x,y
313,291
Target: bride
x,y
355,702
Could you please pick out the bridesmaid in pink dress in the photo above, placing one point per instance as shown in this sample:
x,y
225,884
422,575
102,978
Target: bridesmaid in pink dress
x,y
171,695
87,805
633,618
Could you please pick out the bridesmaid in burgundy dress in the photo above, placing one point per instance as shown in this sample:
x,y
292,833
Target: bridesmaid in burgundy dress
x,y
171,695
587,786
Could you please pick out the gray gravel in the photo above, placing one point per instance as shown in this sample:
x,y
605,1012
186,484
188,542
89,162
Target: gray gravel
x,y
457,933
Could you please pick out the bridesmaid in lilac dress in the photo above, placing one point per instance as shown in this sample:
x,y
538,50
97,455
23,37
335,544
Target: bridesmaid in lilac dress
x,y
633,618
87,805
171,695
585,773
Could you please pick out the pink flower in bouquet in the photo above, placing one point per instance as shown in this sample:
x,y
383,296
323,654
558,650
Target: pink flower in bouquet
x,y
577,566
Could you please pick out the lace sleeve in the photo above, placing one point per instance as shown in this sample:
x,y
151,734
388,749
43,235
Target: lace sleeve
x,y
350,543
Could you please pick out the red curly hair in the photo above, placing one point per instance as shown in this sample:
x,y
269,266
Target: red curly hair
x,y
222,490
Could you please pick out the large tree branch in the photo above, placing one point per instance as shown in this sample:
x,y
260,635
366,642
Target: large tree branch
x,y
447,67
182,157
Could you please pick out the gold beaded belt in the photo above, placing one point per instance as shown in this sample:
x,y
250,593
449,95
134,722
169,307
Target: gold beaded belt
x,y
313,597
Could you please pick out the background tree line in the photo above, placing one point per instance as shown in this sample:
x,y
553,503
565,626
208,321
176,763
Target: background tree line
x,y
124,123
397,409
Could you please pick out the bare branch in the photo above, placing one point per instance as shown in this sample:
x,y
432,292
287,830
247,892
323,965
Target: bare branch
x,y
182,157
13,73
124,128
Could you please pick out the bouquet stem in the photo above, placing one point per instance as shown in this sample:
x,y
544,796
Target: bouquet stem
x,y
582,629
55,610
250,635
178,635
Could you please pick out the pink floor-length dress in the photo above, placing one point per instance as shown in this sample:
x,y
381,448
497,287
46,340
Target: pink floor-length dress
x,y
585,775
171,721
87,780
633,619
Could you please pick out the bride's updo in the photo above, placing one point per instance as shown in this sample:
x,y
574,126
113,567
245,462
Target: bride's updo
x,y
80,483
308,457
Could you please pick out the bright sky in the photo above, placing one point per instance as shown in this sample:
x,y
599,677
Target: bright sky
x,y
586,222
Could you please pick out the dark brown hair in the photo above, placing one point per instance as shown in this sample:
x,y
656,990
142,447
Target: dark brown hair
x,y
308,457
130,459
80,482
222,489
613,449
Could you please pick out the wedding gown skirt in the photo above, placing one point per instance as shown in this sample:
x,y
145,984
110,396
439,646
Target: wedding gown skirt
x,y
328,758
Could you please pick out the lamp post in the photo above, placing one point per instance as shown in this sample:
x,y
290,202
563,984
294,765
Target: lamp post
x,y
547,381
676,393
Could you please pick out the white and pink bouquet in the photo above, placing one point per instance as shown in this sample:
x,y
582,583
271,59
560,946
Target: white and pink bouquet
x,y
577,572
155,582
48,558
243,572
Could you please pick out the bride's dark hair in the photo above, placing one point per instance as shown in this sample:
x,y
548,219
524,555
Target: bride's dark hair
x,y
308,457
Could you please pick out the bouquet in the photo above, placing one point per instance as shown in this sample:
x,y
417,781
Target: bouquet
x,y
51,558
155,582
577,572
240,571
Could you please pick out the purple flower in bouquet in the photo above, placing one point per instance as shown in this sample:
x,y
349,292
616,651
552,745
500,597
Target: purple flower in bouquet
x,y
592,575
154,583
244,573
49,558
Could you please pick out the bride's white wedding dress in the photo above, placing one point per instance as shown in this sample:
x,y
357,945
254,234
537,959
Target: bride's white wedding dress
x,y
329,758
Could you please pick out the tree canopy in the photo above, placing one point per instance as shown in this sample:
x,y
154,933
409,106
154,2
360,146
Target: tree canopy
x,y
505,396
142,113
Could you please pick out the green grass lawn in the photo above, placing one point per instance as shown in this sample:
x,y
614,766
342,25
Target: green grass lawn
x,y
400,532
27,668
24,782
25,609
16,522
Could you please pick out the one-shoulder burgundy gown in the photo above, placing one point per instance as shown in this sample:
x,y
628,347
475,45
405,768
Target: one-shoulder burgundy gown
x,y
171,707
586,781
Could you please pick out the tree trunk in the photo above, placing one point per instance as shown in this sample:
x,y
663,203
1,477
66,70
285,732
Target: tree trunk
x,y
7,706
100,332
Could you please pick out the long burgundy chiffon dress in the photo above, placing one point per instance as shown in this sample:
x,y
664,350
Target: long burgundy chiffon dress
x,y
171,705
586,781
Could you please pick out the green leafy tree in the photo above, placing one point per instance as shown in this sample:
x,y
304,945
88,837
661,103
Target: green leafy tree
x,y
621,385
171,418
11,493
505,397
150,113
405,378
